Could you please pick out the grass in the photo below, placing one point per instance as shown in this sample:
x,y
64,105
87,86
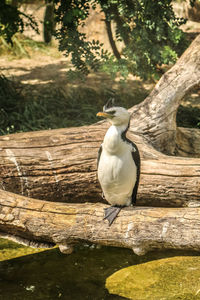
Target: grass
x,y
24,47
53,107
58,109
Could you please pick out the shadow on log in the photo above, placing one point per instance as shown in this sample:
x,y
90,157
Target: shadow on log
x,y
60,165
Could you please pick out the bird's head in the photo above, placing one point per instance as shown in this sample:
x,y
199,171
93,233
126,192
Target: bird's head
x,y
116,115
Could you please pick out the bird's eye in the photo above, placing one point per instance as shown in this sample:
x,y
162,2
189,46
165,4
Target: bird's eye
x,y
112,112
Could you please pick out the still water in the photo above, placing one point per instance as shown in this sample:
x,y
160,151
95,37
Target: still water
x,y
50,275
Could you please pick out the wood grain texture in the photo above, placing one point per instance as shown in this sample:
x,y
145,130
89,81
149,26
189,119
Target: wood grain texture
x,y
60,165
188,142
141,229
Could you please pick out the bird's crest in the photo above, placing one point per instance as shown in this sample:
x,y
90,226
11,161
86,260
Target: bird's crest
x,y
109,104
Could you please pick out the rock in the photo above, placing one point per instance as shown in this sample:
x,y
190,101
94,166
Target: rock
x,y
166,279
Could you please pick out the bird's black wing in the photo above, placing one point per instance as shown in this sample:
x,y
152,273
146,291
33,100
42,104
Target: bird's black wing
x,y
136,158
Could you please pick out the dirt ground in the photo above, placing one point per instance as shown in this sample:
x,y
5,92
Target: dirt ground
x,y
35,72
43,74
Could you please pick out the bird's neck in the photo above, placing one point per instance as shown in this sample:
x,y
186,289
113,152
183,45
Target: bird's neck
x,y
114,138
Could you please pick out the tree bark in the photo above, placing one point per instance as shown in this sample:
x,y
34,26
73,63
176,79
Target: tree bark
x,y
111,39
155,118
141,229
188,142
60,165
49,21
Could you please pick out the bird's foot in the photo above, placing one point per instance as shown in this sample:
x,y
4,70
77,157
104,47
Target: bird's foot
x,y
111,213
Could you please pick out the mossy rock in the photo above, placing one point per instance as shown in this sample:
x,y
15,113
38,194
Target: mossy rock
x,y
9,250
164,279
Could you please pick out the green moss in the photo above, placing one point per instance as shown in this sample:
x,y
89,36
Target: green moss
x,y
167,279
9,250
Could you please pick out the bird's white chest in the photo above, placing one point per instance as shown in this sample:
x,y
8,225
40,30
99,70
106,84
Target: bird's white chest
x,y
116,170
113,143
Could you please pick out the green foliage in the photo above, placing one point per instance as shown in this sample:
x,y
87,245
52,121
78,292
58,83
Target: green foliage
x,y
149,30
70,15
167,55
12,20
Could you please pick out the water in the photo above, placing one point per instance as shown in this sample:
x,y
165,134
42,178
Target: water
x,y
53,275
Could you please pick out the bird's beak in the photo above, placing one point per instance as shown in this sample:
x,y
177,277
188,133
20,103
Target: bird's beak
x,y
104,115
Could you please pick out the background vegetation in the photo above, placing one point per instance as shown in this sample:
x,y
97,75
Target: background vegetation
x,y
152,39
148,30
77,107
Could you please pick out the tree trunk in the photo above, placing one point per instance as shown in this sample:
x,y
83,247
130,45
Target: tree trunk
x,y
60,165
155,118
49,22
141,229
111,39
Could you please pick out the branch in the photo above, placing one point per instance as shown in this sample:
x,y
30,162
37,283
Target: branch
x,y
111,40
60,165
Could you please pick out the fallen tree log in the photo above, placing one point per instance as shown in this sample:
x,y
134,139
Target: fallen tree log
x,y
60,165
141,228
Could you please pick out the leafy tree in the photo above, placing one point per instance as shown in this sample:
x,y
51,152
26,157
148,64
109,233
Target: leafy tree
x,y
149,30
12,20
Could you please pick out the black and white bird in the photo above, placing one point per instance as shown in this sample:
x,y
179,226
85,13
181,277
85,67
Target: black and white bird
x,y
118,164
